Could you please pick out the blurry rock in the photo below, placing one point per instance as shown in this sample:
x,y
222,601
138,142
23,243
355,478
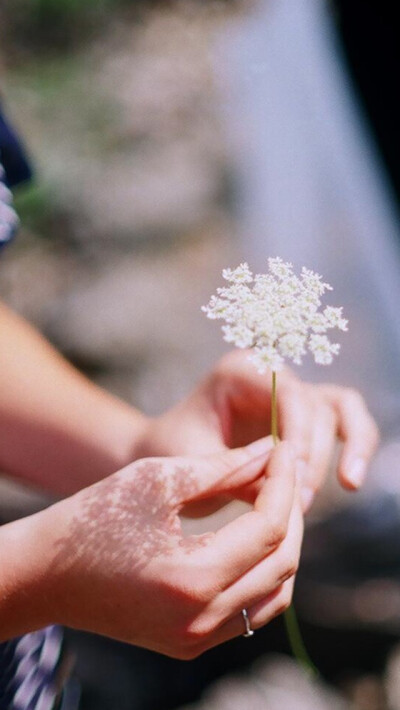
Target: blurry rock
x,y
275,684
367,693
140,316
392,679
33,276
350,574
129,305
154,191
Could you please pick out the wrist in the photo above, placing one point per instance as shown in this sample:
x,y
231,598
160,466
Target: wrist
x,y
162,436
114,441
147,444
25,585
124,435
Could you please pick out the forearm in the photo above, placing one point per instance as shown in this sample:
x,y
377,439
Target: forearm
x,y
57,429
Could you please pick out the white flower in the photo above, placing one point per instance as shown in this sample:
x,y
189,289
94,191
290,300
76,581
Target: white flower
x,y
334,318
276,314
313,282
293,346
266,358
322,349
239,334
279,268
241,274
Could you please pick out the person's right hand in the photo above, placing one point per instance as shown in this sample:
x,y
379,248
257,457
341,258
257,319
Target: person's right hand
x,y
113,559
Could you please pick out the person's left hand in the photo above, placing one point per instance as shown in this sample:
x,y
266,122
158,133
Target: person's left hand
x,y
231,408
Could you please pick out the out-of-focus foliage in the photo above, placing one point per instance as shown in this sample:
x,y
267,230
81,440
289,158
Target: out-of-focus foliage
x,y
37,212
50,25
58,25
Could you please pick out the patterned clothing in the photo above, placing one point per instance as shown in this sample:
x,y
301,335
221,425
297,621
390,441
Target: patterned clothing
x,y
33,670
8,218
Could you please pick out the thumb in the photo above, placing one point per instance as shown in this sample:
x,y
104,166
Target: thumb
x,y
232,468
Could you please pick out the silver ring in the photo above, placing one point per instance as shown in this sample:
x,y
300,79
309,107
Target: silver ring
x,y
249,631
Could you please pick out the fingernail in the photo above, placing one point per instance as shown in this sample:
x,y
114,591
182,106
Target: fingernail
x,y
307,497
259,447
356,472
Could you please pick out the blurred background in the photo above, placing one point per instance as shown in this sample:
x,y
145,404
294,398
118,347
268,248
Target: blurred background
x,y
172,139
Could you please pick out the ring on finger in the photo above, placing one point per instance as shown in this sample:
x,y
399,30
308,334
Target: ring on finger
x,y
249,631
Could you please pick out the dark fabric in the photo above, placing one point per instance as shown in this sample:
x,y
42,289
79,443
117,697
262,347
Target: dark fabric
x,y
369,32
14,169
12,154
33,672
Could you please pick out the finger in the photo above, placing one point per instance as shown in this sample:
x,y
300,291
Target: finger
x,y
242,398
230,469
311,477
245,541
359,432
296,412
262,579
247,390
249,493
259,615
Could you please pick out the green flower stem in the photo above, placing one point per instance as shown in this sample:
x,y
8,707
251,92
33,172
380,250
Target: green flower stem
x,y
274,411
292,625
297,644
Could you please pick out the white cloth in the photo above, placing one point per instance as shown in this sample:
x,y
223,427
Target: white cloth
x,y
311,186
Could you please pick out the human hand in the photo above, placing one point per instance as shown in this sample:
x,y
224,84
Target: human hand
x,y
113,560
232,407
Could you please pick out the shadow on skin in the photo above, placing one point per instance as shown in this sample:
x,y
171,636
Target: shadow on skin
x,y
130,518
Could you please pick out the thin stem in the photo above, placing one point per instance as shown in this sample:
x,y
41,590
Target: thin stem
x,y
292,626
274,411
297,644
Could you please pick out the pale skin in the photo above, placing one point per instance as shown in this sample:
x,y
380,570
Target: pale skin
x,y
116,545
115,560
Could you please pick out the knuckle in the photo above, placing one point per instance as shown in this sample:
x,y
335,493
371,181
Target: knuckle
x,y
290,565
202,591
192,594
199,630
186,654
192,654
193,636
275,532
284,601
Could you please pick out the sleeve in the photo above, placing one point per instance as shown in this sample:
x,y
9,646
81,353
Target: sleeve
x,y
13,154
8,219
14,169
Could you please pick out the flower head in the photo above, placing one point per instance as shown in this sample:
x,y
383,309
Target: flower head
x,y
276,314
